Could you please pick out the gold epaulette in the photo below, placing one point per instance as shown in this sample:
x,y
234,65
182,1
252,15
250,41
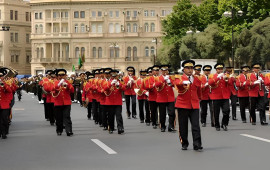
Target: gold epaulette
x,y
172,77
178,77
211,76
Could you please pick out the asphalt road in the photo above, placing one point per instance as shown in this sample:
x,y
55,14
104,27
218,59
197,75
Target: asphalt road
x,y
33,145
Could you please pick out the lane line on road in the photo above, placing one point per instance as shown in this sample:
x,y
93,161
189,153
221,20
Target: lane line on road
x,y
18,108
255,137
104,147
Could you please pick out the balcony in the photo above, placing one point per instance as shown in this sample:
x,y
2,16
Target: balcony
x,y
50,60
128,18
97,19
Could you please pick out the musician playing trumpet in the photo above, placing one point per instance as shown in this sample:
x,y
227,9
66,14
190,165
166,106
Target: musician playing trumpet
x,y
256,94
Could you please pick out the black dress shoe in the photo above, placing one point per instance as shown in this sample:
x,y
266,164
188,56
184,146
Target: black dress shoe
x,y
121,131
234,118
263,123
59,133
171,130
184,148
253,123
134,117
101,125
154,126
203,124
52,124
212,125
147,124
217,129
4,136
142,121
224,127
162,129
198,148
96,122
69,133
110,131
105,128
128,117
244,121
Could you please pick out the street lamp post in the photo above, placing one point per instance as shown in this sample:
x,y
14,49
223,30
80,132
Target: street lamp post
x,y
231,14
155,40
192,33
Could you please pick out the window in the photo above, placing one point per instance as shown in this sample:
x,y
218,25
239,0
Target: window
x,y
147,51
117,14
135,28
152,27
153,13
94,28
11,37
99,52
146,27
37,52
55,15
111,14
82,28
27,59
66,14
117,28
26,16
40,15
82,14
16,15
163,13
146,13
76,14
77,52
134,52
129,52
36,29
117,52
100,28
11,14
128,27
112,52
152,50
94,14
135,13
16,37
12,58
111,29
41,52
94,52
82,51
41,28
17,58
76,28
99,14
128,13
27,38
36,15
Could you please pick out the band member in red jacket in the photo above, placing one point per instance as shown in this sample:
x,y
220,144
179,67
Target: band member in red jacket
x,y
267,86
220,94
87,95
242,85
188,104
96,95
142,98
47,85
129,91
5,90
62,102
205,98
256,94
165,98
113,91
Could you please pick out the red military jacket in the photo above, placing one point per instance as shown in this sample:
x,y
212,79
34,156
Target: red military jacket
x,y
242,85
62,95
139,84
219,88
164,91
255,89
113,93
102,96
267,83
188,95
87,92
149,84
205,90
232,86
48,86
5,91
95,92
129,89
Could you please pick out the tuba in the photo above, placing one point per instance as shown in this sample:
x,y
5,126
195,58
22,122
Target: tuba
x,y
11,73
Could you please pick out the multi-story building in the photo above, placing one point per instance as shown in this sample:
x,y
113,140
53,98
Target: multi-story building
x,y
108,33
15,31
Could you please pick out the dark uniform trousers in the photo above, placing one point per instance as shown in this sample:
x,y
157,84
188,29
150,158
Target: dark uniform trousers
x,y
46,110
79,96
233,104
105,110
259,101
162,114
4,114
39,92
95,105
225,106
244,103
203,104
193,115
62,114
133,100
115,111
51,112
153,109
143,104
89,110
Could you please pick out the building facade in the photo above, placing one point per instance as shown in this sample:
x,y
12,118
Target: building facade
x,y
15,32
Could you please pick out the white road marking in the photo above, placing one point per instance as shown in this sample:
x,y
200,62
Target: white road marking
x,y
103,146
255,137
18,108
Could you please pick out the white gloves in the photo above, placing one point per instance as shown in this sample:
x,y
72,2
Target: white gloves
x,y
117,83
220,75
186,82
113,82
245,83
60,83
147,94
167,77
81,91
168,81
257,82
206,84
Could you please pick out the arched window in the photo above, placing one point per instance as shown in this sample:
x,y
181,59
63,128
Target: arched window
x,y
129,52
94,52
82,28
82,51
99,52
147,51
37,52
76,28
36,29
112,52
152,50
41,52
134,52
146,27
153,27
128,27
117,28
77,52
111,29
135,28
41,28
